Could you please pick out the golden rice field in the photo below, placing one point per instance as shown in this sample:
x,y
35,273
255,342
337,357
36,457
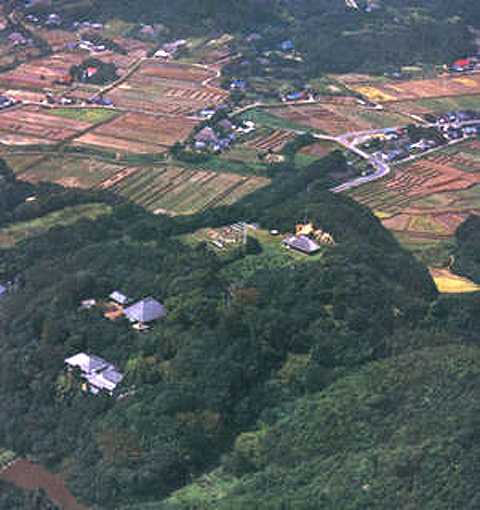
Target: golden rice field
x,y
450,283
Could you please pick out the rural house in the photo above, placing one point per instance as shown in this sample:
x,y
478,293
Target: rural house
x,y
98,373
302,244
207,136
145,311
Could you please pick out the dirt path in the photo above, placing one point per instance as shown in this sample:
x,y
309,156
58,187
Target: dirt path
x,y
26,475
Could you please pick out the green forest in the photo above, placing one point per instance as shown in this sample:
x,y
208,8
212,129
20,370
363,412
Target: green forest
x,y
343,379
331,37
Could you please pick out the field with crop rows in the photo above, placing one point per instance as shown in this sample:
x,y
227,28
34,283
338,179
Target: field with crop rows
x,y
418,89
429,198
139,133
177,190
34,125
41,74
71,171
175,89
336,119
274,141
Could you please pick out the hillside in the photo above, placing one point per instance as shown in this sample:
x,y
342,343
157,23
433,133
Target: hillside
x,y
402,431
239,327
332,37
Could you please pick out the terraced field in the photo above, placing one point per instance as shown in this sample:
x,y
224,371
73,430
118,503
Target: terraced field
x,y
175,190
69,171
430,198
338,118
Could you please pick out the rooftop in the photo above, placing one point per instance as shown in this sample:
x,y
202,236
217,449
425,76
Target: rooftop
x,y
146,310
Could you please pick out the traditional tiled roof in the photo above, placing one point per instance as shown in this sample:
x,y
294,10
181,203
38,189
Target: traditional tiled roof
x,y
302,243
146,310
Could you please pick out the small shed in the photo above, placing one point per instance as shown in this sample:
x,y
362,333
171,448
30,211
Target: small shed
x,y
119,298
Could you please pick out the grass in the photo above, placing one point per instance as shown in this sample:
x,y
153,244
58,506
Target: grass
x,y
20,231
91,115
264,118
431,253
449,103
72,171
273,255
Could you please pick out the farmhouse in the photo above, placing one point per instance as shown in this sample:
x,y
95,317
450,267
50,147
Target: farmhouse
x,y
302,244
145,311
100,375
207,136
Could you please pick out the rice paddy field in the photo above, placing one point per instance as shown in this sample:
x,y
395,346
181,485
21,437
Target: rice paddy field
x,y
444,86
450,283
177,190
424,202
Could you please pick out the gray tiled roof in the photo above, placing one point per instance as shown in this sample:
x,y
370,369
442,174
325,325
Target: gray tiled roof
x,y
146,310
302,243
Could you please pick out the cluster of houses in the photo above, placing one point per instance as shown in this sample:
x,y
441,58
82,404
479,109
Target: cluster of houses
x,y
220,137
97,374
397,145
141,314
304,94
7,102
465,65
168,50
458,125
307,239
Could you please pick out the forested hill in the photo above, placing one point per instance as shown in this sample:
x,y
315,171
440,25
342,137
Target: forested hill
x,y
246,334
332,37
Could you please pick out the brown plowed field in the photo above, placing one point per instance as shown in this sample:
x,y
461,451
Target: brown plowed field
x,y
29,476
118,144
40,74
435,174
174,71
139,132
167,88
31,122
323,117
